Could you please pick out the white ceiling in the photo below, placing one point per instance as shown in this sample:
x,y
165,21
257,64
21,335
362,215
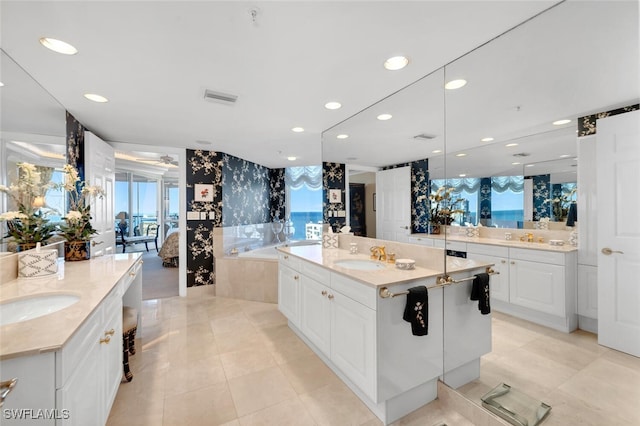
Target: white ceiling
x,y
154,59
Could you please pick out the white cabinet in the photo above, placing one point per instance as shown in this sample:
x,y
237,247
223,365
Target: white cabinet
x,y
536,285
499,256
315,317
288,293
90,365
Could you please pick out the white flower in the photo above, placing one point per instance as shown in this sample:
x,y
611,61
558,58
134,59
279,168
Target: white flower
x,y
73,216
13,215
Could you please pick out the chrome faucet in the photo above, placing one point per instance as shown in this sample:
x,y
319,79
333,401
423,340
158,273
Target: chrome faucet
x,y
377,252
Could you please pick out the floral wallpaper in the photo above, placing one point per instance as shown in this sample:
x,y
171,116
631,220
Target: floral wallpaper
x,y
75,144
333,177
420,196
587,124
484,198
541,193
243,193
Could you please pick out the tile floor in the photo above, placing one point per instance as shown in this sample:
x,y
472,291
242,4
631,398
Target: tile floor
x,y
203,360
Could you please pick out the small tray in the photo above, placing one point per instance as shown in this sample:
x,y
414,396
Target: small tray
x,y
514,406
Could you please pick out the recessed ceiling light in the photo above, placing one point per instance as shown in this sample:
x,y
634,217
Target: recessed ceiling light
x,y
561,122
462,154
1,84
384,117
511,144
455,84
292,158
515,163
58,46
529,165
462,175
332,105
486,139
436,151
565,156
342,136
96,98
396,63
297,129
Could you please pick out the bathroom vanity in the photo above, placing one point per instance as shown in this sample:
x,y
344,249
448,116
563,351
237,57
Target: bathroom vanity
x,y
537,281
349,310
68,363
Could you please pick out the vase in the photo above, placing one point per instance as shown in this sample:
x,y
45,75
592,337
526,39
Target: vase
x,y
25,246
77,250
434,228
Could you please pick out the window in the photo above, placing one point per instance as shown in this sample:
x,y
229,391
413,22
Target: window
x,y
303,186
507,201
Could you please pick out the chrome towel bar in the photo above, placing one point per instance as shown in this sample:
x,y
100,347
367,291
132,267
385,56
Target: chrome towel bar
x,y
440,282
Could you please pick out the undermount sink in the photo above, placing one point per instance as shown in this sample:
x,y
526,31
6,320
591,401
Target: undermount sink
x,y
25,309
359,264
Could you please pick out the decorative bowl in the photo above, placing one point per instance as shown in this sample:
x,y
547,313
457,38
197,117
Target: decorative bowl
x,y
405,264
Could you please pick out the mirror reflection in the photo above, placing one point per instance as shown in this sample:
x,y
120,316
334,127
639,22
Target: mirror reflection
x,y
32,128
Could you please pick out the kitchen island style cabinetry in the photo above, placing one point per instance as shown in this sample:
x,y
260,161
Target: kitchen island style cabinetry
x,y
76,382
363,337
536,285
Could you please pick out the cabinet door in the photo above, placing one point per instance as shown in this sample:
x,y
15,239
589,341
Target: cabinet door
x,y
499,283
112,357
81,395
288,292
314,313
538,286
353,342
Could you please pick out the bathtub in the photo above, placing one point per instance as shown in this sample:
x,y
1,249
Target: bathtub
x,y
253,274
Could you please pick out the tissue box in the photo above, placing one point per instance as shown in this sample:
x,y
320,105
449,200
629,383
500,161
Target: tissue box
x,y
37,264
329,241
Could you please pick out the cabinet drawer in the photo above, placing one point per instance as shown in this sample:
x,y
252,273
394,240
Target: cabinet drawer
x,y
421,241
316,272
456,245
290,261
537,256
487,249
355,290
128,278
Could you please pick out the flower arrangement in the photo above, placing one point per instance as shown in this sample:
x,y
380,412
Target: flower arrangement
x,y
28,224
560,205
77,225
443,206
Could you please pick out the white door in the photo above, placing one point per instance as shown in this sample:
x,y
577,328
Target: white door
x,y
99,170
393,204
618,171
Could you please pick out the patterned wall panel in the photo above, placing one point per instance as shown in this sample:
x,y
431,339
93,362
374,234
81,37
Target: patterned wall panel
x,y
420,196
541,193
484,198
277,203
245,192
203,167
333,177
75,144
587,124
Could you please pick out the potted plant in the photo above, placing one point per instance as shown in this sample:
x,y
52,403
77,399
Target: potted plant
x,y
442,207
28,225
77,229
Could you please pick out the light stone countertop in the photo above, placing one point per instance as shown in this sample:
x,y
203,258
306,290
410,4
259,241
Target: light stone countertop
x,y
390,275
515,243
91,280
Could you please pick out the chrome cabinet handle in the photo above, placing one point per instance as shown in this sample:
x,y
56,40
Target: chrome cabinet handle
x,y
324,292
608,252
296,277
330,296
93,243
503,261
5,389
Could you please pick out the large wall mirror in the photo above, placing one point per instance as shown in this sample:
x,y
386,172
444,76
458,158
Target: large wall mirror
x,y
576,59
573,60
32,126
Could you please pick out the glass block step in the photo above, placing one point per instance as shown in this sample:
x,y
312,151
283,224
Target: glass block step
x,y
514,406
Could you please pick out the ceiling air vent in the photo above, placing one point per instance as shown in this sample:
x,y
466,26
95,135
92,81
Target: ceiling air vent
x,y
223,98
424,136
522,154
